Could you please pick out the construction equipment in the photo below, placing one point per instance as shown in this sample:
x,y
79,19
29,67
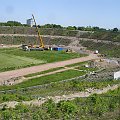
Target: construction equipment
x,y
41,47
40,37
70,50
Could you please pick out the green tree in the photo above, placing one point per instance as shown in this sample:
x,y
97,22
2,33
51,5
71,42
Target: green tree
x,y
13,23
96,28
115,30
81,28
71,28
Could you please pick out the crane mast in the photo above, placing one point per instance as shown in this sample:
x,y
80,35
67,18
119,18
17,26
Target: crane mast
x,y
39,35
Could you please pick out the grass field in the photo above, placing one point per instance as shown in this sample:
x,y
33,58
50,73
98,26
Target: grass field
x,y
46,79
15,58
8,62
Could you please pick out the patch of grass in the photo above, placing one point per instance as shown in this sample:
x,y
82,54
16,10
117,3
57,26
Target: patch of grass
x,y
49,56
43,72
10,62
89,69
15,58
46,79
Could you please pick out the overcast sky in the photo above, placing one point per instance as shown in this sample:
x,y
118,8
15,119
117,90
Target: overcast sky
x,y
102,13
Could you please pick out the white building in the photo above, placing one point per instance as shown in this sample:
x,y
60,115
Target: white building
x,y
30,22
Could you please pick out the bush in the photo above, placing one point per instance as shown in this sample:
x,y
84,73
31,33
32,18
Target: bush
x,y
67,107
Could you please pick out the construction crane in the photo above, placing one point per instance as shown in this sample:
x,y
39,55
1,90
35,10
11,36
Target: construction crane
x,y
39,35
41,46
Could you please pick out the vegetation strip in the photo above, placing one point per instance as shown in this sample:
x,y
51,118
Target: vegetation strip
x,y
57,99
54,89
44,72
41,86
9,59
95,107
45,79
109,50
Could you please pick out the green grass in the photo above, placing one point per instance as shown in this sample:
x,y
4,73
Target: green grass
x,y
16,58
49,56
8,62
43,72
90,69
46,79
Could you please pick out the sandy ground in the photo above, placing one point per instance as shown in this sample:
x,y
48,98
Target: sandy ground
x,y
56,99
25,71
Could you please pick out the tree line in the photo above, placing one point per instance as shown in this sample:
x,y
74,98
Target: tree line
x,y
12,23
88,28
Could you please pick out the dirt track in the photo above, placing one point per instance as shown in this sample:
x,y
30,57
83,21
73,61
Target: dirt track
x,y
25,71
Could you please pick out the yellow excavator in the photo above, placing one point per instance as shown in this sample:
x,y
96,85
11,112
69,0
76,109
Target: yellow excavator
x,y
41,46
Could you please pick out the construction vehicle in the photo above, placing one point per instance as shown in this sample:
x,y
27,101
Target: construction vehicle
x,y
41,47
69,50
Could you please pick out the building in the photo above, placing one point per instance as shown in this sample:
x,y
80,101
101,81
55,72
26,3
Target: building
x,y
30,22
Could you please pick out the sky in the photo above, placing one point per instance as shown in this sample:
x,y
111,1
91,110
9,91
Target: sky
x,y
101,13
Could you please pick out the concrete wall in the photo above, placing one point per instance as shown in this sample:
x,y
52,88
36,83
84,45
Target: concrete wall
x,y
117,75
